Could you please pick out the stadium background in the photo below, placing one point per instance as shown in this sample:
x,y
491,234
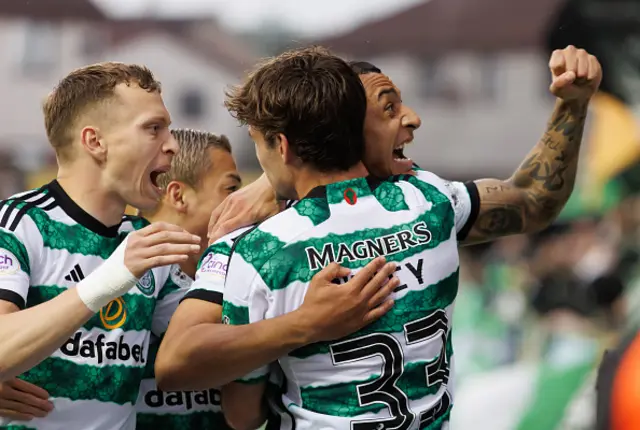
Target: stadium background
x,y
534,313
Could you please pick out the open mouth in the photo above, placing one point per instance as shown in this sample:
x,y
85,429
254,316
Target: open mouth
x,y
398,153
401,164
155,175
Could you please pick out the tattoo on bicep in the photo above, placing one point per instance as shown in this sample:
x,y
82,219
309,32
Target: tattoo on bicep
x,y
501,220
495,188
544,206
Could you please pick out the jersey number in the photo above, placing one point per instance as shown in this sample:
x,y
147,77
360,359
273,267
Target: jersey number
x,y
384,389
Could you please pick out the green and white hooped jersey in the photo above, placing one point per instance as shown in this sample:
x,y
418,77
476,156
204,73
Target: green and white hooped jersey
x,y
176,410
212,269
395,373
47,245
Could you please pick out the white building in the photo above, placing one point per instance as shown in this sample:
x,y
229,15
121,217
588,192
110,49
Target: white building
x,y
475,71
42,40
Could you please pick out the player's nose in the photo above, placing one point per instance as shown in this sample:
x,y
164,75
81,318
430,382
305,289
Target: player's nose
x,y
411,119
171,146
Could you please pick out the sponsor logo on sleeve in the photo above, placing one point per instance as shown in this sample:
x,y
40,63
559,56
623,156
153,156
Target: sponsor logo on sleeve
x,y
214,266
9,263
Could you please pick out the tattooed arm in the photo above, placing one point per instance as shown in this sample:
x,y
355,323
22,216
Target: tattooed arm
x,y
536,193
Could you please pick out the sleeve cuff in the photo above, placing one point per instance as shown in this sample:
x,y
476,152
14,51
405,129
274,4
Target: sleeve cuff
x,y
474,197
207,296
13,297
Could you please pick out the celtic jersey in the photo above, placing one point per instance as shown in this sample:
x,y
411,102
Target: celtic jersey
x,y
47,245
176,410
394,373
212,269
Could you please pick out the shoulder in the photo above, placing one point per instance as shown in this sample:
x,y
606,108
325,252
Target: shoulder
x,y
22,208
267,242
268,237
131,223
216,257
433,187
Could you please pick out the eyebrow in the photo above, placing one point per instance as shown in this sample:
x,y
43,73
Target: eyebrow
x,y
235,176
387,91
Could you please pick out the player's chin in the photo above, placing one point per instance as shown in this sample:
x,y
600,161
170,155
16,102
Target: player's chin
x,y
148,198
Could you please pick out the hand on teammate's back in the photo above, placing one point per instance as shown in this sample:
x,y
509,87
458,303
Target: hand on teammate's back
x,y
249,205
159,244
22,401
335,310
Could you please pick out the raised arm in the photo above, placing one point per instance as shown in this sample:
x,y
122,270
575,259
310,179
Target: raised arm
x,y
533,197
199,353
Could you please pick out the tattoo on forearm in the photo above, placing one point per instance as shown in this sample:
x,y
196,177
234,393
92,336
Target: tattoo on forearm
x,y
549,173
541,186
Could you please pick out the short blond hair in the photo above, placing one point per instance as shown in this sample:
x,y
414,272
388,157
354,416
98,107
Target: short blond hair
x,y
191,162
83,89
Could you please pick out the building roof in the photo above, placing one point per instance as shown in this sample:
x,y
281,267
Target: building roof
x,y
52,10
201,35
437,26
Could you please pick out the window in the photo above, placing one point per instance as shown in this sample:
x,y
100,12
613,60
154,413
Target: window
x,y
41,47
192,104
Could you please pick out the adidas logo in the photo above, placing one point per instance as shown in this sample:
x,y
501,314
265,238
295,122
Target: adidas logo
x,y
75,275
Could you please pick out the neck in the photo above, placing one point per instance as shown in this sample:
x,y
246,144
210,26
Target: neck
x,y
83,187
309,179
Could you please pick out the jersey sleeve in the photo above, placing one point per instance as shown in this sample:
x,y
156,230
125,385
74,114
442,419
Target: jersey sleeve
x,y
466,205
212,271
212,268
246,301
464,198
172,291
20,248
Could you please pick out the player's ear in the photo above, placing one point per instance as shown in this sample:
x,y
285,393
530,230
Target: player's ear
x,y
90,139
175,196
284,148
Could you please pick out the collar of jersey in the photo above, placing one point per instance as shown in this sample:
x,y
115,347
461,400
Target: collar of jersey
x,y
78,214
359,185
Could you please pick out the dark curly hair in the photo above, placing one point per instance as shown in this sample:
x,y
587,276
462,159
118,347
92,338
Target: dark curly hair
x,y
313,98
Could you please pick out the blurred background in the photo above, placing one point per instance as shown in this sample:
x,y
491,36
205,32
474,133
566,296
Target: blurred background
x,y
534,313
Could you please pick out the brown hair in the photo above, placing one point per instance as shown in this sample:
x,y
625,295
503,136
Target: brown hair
x,y
312,97
192,162
83,89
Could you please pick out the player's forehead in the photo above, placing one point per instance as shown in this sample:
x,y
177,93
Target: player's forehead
x,y
145,104
376,84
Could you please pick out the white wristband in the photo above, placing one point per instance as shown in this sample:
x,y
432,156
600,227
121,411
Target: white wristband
x,y
109,281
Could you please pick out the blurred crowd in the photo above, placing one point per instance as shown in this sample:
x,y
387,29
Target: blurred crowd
x,y
535,313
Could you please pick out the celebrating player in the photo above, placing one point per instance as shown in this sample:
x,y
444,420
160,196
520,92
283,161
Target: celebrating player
x,y
526,202
76,308
202,174
310,146
89,344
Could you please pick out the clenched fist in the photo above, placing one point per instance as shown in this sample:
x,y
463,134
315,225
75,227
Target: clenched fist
x,y
575,74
